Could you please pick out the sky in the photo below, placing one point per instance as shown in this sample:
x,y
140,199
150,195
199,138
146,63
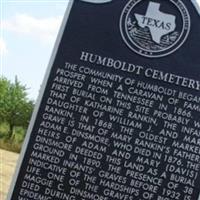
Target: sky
x,y
28,29
27,36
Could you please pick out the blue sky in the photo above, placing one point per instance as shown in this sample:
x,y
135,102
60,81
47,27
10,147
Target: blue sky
x,y
27,34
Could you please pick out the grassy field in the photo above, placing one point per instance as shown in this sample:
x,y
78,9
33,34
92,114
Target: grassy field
x,y
13,144
8,162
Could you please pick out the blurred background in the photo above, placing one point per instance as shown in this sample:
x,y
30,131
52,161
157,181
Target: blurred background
x,y
28,29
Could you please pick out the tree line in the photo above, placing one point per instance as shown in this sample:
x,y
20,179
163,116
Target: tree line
x,y
15,106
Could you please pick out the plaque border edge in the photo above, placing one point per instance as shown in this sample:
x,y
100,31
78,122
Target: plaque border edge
x,y
196,5
39,99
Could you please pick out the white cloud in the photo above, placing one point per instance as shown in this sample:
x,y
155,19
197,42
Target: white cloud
x,y
3,48
44,29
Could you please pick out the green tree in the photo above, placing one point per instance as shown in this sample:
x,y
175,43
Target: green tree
x,y
15,107
4,88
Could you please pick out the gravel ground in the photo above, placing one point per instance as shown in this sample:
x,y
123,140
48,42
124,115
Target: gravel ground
x,y
8,162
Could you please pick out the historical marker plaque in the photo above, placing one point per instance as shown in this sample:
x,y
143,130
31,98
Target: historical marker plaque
x,y
118,117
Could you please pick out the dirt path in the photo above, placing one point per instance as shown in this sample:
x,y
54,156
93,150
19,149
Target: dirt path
x,y
8,162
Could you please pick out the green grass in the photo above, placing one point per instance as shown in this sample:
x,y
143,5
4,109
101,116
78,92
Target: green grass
x,y
15,143
15,147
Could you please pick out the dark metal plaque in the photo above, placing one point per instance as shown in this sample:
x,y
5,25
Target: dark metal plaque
x,y
118,116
